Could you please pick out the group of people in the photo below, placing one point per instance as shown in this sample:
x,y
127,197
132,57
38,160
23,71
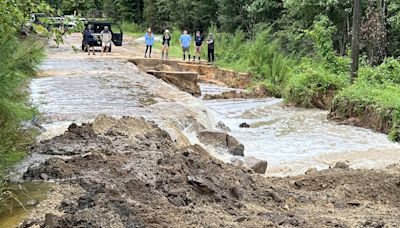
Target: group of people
x,y
185,41
90,40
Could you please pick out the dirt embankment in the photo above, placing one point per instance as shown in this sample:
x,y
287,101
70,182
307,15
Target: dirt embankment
x,y
129,173
368,116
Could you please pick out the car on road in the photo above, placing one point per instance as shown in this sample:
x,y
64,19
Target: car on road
x,y
116,31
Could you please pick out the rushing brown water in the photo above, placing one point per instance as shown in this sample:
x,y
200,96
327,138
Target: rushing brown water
x,y
294,139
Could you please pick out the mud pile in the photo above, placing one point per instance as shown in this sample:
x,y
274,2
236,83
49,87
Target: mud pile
x,y
129,173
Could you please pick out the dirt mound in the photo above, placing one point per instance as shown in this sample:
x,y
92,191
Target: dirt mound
x,y
143,180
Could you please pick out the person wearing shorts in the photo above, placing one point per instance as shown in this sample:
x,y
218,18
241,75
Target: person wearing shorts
x,y
106,37
185,41
198,43
166,42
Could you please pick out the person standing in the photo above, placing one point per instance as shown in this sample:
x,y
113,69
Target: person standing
x,y
88,39
185,41
166,41
106,38
198,43
210,42
149,39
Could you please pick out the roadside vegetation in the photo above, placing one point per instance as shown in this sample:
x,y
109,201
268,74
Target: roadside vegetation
x,y
21,51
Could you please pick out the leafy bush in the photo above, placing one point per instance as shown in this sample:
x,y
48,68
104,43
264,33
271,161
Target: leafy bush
x,y
384,98
260,56
311,79
387,72
131,27
17,64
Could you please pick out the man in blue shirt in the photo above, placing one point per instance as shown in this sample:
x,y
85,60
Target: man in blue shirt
x,y
185,41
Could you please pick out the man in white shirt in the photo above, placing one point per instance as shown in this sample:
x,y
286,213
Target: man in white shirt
x,y
106,37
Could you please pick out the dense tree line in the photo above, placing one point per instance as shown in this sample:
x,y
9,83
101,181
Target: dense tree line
x,y
290,19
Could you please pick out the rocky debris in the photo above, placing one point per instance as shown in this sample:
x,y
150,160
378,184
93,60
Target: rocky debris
x,y
244,125
222,126
237,162
257,165
222,140
233,95
149,182
341,165
185,81
237,150
311,171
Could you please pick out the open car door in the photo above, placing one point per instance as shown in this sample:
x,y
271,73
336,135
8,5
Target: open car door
x,y
117,35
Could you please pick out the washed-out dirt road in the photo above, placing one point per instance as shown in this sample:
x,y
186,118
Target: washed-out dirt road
x,y
142,170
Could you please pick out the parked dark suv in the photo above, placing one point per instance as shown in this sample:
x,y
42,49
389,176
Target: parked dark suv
x,y
117,34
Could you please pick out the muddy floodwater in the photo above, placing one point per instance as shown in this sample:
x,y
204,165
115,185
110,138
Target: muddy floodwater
x,y
293,139
21,199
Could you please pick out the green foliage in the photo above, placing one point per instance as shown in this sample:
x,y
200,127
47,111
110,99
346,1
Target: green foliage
x,y
18,60
321,33
379,88
311,79
387,72
131,27
261,56
383,98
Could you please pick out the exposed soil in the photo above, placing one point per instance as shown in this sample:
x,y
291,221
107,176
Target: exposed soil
x,y
361,115
207,73
324,100
129,173
258,92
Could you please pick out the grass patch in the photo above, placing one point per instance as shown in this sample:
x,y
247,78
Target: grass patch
x,y
383,99
310,80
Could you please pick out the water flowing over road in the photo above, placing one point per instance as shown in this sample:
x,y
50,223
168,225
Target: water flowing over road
x,y
292,139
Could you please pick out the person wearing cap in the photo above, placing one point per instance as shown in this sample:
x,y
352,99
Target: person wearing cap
x,y
198,43
166,42
106,37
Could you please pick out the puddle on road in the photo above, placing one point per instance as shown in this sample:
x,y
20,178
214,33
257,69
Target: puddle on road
x,y
29,194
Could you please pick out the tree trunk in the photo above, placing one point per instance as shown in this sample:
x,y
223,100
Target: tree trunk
x,y
355,44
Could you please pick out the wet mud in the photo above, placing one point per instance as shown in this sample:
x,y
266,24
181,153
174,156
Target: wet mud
x,y
129,173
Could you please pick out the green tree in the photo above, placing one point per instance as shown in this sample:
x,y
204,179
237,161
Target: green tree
x,y
233,15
